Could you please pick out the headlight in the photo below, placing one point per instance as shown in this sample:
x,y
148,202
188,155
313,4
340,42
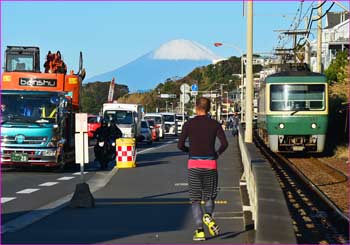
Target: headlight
x,y
313,125
281,126
48,153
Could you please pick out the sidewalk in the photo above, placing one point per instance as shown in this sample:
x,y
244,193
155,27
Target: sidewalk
x,y
146,204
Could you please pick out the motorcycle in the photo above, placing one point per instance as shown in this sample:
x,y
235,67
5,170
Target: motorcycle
x,y
104,151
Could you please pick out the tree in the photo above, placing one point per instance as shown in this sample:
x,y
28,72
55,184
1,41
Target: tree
x,y
336,72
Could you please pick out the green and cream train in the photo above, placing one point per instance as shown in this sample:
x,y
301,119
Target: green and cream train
x,y
293,111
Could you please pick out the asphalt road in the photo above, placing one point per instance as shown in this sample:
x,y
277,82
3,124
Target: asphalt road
x,y
26,189
146,204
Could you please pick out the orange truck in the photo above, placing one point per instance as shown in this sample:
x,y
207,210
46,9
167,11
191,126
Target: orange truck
x,y
37,110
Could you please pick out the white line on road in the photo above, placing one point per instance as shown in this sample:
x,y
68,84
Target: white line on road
x,y
157,147
78,173
181,184
65,178
27,191
7,199
49,184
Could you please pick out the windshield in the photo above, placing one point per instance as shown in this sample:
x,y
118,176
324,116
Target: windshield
x,y
29,108
157,120
169,118
297,97
179,118
92,120
20,62
121,117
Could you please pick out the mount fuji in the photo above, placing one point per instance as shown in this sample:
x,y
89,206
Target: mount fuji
x,y
175,58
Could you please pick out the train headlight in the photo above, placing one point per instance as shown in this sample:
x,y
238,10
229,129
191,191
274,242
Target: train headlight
x,y
313,125
281,126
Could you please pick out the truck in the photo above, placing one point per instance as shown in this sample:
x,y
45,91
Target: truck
x,y
37,110
127,117
170,123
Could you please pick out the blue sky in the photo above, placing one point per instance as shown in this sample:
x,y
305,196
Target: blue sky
x,y
111,34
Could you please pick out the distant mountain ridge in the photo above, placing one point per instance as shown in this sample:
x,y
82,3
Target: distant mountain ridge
x,y
176,58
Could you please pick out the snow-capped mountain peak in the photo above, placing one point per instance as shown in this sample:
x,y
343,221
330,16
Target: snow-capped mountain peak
x,y
181,49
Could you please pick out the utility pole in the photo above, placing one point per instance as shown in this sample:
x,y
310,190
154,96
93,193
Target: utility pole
x,y
249,71
307,47
319,38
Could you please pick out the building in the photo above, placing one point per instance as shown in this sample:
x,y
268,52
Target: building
x,y
335,38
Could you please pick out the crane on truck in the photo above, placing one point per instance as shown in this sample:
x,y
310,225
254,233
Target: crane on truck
x,y
37,122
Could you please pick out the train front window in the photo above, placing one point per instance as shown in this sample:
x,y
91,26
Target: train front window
x,y
297,97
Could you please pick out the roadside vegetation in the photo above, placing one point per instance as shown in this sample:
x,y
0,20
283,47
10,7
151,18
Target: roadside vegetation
x,y
338,75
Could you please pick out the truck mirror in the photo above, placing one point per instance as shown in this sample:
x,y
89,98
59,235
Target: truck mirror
x,y
54,100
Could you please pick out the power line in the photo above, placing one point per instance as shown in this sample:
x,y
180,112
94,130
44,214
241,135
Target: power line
x,y
313,20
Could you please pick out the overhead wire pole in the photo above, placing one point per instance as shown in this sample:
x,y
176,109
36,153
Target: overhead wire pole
x,y
249,89
319,38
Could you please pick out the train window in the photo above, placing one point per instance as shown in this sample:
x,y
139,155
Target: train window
x,y
300,97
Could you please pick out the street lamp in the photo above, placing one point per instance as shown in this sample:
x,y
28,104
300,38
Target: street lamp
x,y
242,72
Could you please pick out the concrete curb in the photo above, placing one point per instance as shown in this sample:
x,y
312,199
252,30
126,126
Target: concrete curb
x,y
96,183
272,221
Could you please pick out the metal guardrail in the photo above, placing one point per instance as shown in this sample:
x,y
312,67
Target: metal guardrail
x,y
272,221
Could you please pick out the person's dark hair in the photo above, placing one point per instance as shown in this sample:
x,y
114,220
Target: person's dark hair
x,y
203,104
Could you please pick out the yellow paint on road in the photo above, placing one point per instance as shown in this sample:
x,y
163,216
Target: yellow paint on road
x,y
220,202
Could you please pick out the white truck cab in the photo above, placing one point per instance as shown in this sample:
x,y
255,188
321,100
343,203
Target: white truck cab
x,y
127,117
170,123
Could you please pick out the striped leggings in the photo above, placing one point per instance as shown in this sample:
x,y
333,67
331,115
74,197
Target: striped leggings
x,y
202,186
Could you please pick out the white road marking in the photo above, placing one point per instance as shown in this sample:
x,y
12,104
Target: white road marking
x,y
49,184
78,173
7,199
27,191
66,178
157,147
181,184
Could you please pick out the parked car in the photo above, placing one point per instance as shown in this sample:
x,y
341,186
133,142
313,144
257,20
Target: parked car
x,y
93,124
159,121
154,130
146,132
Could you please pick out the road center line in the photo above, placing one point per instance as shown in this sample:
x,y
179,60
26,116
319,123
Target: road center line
x,y
48,184
27,191
7,199
157,147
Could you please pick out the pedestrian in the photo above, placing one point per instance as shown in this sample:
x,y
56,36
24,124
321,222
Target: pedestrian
x,y
202,165
235,123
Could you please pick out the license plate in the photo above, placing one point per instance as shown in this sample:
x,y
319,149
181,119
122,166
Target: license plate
x,y
19,157
298,148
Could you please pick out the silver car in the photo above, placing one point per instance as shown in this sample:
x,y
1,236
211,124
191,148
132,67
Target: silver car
x,y
146,132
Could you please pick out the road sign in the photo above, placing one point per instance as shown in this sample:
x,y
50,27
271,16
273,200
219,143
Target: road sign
x,y
185,88
209,95
168,96
194,87
187,98
194,93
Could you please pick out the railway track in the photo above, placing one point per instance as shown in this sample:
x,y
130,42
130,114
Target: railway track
x,y
316,218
